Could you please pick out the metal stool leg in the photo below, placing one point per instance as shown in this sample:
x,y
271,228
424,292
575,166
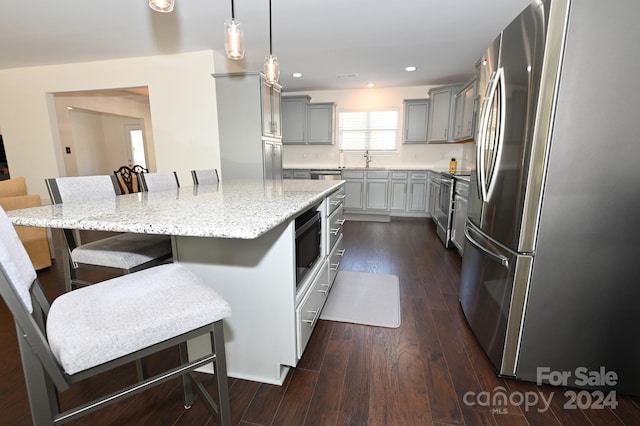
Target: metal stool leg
x,y
224,405
187,382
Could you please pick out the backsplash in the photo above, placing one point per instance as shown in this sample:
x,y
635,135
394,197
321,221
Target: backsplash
x,y
435,156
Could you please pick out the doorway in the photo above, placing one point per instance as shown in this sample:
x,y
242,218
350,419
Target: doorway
x,y
135,146
102,130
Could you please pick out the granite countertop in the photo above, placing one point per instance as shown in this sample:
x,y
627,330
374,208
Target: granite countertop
x,y
243,209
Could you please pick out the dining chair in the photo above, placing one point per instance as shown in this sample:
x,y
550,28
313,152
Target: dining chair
x,y
122,253
98,328
137,169
159,181
127,179
205,176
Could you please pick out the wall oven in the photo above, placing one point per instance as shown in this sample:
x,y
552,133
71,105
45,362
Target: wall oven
x,y
308,231
444,208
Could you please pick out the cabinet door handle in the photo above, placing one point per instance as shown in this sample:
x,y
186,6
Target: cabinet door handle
x,y
335,231
334,266
312,320
340,252
340,222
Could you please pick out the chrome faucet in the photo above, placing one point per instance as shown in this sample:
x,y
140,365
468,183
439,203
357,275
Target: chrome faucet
x,y
367,158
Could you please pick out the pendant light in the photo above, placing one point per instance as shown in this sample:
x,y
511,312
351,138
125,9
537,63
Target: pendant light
x,y
233,37
271,66
163,6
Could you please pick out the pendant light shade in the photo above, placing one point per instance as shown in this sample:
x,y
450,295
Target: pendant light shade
x,y
271,69
233,39
271,66
233,44
163,6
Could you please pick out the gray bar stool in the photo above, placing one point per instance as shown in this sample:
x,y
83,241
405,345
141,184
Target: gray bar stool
x,y
106,325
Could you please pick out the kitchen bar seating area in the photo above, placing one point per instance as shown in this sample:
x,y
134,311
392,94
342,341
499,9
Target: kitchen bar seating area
x,y
340,380
94,330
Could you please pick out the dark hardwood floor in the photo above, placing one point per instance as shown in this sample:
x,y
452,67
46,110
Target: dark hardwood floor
x,y
424,372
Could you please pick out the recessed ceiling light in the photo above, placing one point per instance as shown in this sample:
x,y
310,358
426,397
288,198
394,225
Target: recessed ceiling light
x,y
297,74
371,85
410,68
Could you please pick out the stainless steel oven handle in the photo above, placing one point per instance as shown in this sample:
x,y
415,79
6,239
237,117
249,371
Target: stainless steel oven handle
x,y
501,259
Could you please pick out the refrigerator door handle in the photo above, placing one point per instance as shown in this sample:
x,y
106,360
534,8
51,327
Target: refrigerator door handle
x,y
487,172
497,257
482,135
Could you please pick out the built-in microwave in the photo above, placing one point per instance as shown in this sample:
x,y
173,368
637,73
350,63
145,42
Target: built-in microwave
x,y
308,231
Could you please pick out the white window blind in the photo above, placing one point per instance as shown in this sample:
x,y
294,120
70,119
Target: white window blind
x,y
374,130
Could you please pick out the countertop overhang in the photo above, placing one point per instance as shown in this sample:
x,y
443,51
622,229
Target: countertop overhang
x,y
244,209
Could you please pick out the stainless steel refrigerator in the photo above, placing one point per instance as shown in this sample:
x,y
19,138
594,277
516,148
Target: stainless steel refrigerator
x,y
550,277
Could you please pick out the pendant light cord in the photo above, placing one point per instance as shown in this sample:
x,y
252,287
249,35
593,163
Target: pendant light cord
x,y
270,35
233,14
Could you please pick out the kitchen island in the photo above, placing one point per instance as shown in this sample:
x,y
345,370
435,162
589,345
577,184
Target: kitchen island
x,y
239,236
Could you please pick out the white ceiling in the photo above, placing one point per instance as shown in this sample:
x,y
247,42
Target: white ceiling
x,y
375,40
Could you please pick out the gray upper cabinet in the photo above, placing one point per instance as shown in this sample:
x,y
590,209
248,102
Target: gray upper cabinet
x,y
465,112
294,118
320,123
416,120
304,122
442,113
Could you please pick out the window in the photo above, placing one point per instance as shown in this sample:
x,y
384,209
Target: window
x,y
374,130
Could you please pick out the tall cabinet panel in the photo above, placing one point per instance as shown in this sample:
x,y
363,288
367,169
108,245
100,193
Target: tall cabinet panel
x,y
249,126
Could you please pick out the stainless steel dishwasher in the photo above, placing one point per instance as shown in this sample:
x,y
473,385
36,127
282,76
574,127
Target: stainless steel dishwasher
x,y
326,174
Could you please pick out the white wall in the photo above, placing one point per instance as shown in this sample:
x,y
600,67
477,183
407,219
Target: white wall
x,y
431,156
181,99
89,151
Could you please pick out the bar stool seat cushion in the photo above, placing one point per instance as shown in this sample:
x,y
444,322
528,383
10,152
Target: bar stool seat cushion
x,y
95,324
124,251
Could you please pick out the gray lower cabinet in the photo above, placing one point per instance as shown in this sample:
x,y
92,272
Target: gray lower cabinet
x,y
354,189
377,190
398,195
296,174
392,192
434,194
461,198
417,192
